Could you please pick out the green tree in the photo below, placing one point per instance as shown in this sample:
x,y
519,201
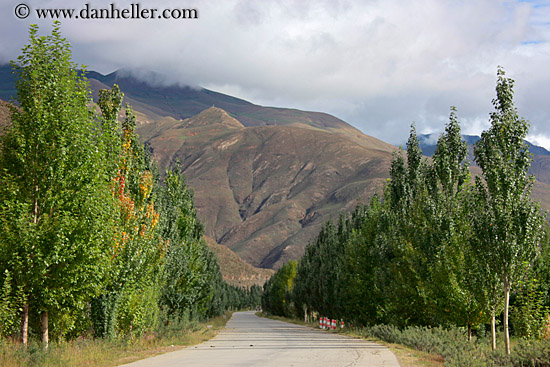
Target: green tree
x,y
509,225
8,306
277,297
406,238
129,301
190,269
455,271
56,201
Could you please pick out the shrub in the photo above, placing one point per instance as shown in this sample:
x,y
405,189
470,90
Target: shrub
x,y
453,346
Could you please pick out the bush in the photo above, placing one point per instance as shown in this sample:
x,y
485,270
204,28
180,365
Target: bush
x,y
173,326
453,346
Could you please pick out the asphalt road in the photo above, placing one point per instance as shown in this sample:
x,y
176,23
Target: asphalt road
x,y
251,341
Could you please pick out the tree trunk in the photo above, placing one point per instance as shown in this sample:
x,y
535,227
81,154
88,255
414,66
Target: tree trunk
x,y
25,324
493,332
305,314
469,332
44,328
506,309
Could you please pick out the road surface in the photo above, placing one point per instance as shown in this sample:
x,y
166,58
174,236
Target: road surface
x,y
251,341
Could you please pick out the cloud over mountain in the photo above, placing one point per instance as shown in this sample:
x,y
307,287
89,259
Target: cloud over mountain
x,y
377,64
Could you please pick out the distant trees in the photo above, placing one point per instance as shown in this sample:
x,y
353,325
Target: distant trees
x,y
277,296
92,239
437,250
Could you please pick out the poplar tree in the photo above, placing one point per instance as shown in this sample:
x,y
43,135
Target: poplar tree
x,y
508,224
455,272
56,201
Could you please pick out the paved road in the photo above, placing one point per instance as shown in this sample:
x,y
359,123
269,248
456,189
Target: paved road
x,y
251,341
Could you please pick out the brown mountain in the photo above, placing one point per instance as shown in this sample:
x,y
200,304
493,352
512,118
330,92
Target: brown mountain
x,y
4,115
236,271
265,179
264,191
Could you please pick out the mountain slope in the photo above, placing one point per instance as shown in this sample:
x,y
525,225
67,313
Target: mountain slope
x,y
264,191
181,102
155,102
4,115
235,270
265,179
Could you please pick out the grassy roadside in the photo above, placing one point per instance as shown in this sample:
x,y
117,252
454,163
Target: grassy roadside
x,y
107,353
407,357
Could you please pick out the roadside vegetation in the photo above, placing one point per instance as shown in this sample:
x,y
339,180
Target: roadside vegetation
x,y
101,352
98,249
443,262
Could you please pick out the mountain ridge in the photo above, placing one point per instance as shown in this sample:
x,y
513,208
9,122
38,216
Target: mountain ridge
x,y
265,179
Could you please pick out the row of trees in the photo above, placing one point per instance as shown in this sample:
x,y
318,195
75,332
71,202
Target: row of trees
x,y
92,240
439,248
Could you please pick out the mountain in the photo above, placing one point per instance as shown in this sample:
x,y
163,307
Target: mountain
x,y
236,271
428,143
265,179
181,102
154,100
7,86
265,191
4,115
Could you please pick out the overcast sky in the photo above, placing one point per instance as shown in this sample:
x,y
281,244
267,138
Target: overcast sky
x,y
378,65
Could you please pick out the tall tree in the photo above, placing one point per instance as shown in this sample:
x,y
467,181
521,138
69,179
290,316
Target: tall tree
x,y
56,210
129,301
509,225
455,271
190,270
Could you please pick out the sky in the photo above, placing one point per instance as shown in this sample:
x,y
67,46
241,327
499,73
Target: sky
x,y
378,65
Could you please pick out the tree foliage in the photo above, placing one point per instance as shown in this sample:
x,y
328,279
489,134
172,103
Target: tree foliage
x,y
436,250
508,225
56,204
92,238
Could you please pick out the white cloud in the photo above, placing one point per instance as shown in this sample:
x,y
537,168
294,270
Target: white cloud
x,y
379,64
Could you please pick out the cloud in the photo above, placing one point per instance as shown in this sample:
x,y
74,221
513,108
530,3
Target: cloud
x,y
379,65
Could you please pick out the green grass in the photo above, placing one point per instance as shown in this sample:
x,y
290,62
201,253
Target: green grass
x,y
105,353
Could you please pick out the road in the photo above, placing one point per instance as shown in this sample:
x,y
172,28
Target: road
x,y
251,341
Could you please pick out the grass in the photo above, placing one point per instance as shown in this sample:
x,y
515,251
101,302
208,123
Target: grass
x,y
407,357
106,353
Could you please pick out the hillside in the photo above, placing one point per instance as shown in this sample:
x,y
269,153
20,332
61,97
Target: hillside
x,y
181,102
235,270
265,179
264,191
156,102
4,115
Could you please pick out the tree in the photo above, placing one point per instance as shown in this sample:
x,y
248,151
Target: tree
x,y
406,237
455,272
509,225
277,297
190,269
129,301
56,201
